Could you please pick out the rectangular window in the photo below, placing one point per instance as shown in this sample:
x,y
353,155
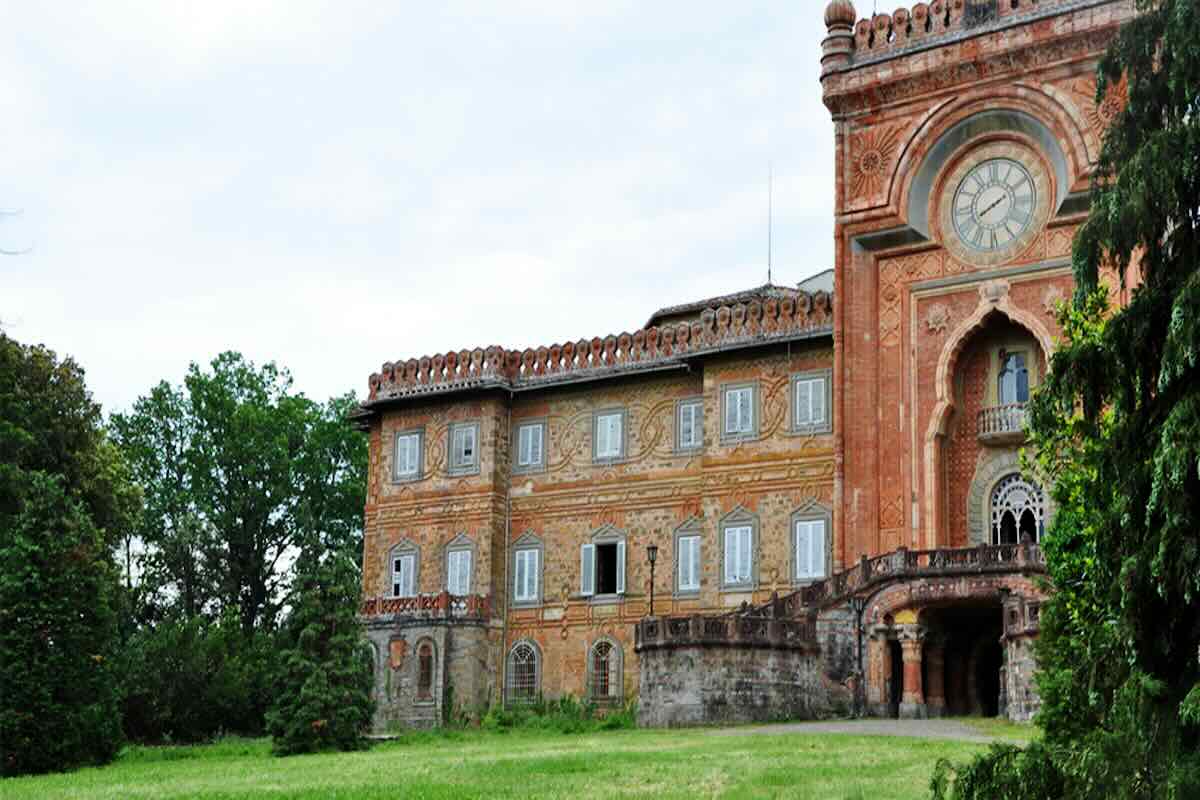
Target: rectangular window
x,y
739,411
810,402
738,555
458,572
525,579
404,573
688,564
810,549
464,447
408,455
531,438
602,569
689,429
609,435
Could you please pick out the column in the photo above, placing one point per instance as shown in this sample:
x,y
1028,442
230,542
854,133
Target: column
x,y
935,677
879,671
912,701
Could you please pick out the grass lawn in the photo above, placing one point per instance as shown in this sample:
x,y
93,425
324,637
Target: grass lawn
x,y
524,764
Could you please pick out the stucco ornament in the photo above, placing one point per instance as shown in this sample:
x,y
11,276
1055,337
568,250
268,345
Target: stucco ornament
x,y
872,152
938,318
1051,299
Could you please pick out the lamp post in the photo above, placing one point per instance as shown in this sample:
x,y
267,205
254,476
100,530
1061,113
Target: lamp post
x,y
652,556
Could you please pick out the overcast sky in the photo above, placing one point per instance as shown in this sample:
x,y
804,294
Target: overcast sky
x,y
331,185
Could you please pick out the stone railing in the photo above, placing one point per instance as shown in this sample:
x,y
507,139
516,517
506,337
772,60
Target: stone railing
x,y
429,606
905,564
1002,422
730,630
890,33
716,329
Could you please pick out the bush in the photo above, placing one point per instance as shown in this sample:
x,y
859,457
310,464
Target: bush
x,y
194,680
565,715
1004,772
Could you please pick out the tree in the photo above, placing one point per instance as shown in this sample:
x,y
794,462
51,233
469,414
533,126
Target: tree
x,y
65,498
237,471
323,700
1117,426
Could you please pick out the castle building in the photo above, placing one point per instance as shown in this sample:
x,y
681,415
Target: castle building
x,y
827,476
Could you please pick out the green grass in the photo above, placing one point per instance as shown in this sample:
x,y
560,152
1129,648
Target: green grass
x,y
659,764
1015,732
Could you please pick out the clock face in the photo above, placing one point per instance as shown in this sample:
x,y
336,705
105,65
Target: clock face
x,y
994,205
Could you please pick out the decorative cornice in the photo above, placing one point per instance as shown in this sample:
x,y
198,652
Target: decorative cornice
x,y
717,330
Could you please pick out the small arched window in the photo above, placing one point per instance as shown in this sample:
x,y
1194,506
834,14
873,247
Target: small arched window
x,y
605,667
425,671
1018,511
1014,379
524,673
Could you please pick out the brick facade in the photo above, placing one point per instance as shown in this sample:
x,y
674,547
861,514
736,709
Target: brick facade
x,y
904,469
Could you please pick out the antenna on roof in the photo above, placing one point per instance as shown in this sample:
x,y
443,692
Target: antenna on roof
x,y
770,213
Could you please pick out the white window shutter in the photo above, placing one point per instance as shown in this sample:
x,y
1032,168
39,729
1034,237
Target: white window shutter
x,y
406,576
804,413
731,554
803,548
744,560
746,411
452,572
602,437
818,548
620,568
464,572
818,401
535,444
587,570
731,412
695,563
684,559
519,577
533,573
685,426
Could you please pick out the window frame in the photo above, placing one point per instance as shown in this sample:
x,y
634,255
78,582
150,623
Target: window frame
x,y
740,518
517,467
623,449
526,543
608,534
460,544
510,673
1002,356
692,529
419,433
680,405
452,432
824,426
616,694
755,411
402,549
814,512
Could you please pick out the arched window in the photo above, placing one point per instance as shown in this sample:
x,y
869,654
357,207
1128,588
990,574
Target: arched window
x,y
1018,511
605,669
1014,379
425,671
524,673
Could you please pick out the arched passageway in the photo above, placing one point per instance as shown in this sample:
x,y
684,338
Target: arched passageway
x,y
962,644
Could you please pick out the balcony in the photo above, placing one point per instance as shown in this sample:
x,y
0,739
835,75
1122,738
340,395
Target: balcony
x,y
429,606
1000,425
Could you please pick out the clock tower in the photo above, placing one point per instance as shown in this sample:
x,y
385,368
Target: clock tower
x,y
966,136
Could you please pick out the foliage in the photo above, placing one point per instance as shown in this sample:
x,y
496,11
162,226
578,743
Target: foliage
x,y
64,499
1004,772
1117,427
190,680
565,715
323,694
238,470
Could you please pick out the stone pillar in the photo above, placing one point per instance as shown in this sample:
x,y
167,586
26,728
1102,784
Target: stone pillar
x,y
912,702
879,672
935,678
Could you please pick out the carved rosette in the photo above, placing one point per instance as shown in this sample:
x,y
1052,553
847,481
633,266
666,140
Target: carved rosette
x,y
872,159
1099,114
937,319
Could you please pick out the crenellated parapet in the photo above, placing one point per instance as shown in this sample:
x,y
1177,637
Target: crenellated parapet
x,y
850,44
717,329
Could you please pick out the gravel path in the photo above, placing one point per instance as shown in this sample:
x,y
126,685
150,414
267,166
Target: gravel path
x,y
916,728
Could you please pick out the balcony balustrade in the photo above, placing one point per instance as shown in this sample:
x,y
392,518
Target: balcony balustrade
x,y
1002,424
429,606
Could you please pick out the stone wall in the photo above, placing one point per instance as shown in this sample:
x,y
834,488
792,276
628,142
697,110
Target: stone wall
x,y
713,685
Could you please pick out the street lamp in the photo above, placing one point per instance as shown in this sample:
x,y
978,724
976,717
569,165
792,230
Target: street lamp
x,y
652,556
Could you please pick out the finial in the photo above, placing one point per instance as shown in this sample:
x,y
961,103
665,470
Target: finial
x,y
840,13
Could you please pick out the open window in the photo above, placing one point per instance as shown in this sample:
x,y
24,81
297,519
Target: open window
x,y
602,564
1014,378
404,559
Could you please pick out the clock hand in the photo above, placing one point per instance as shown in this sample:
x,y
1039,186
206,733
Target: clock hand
x,y
984,213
